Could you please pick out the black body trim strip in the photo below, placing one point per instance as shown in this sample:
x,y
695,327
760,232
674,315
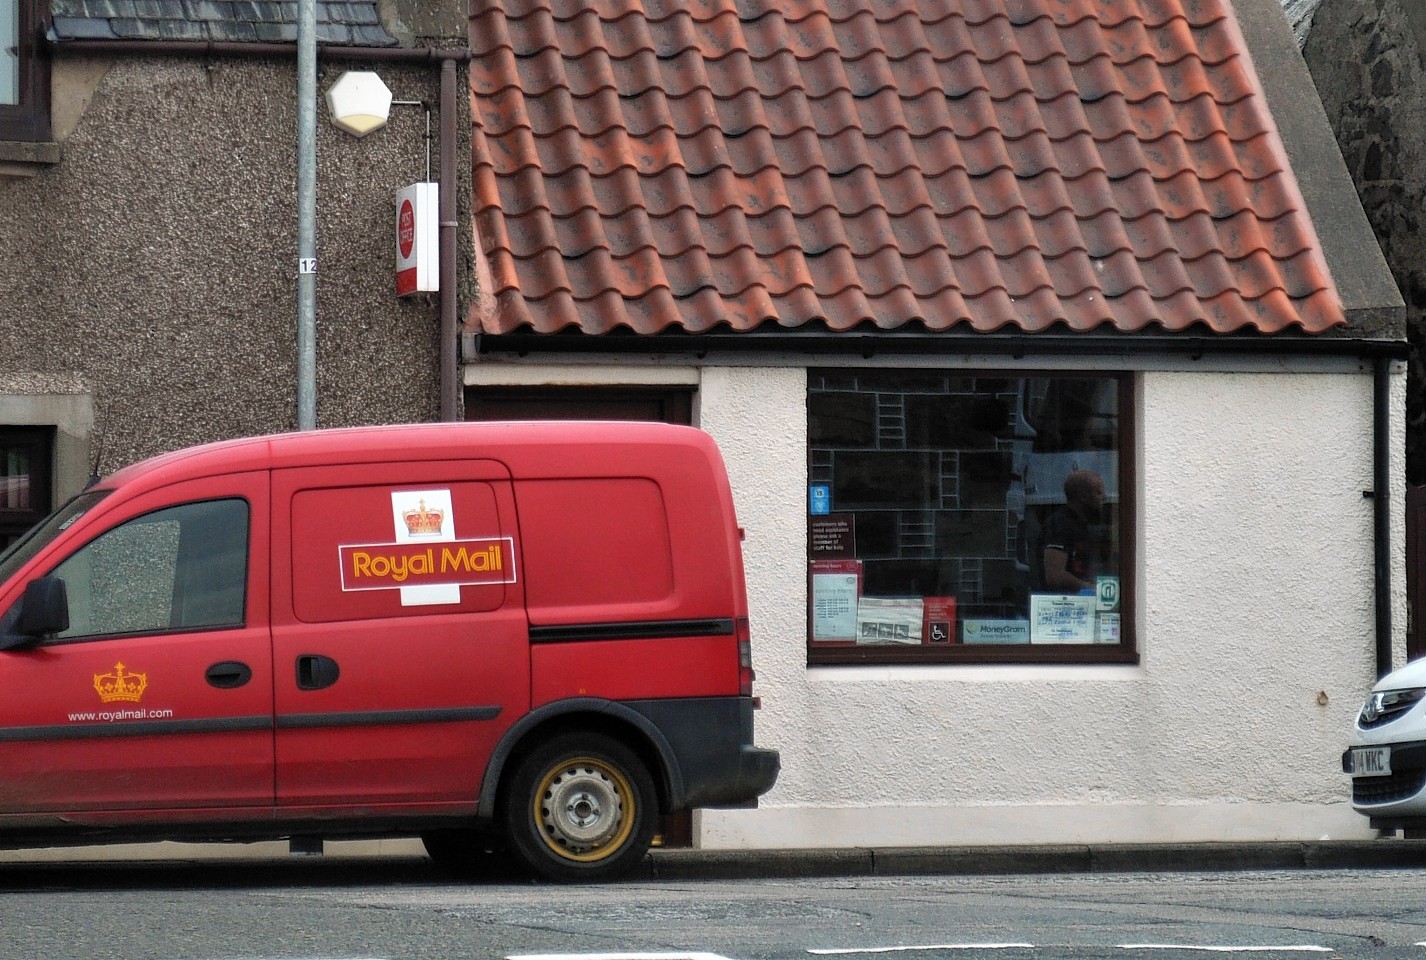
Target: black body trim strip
x,y
637,630
382,718
95,729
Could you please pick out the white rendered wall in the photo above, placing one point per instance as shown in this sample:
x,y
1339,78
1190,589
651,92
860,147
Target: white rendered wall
x,y
1256,626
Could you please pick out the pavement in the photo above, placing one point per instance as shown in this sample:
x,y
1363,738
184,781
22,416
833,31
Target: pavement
x,y
1387,853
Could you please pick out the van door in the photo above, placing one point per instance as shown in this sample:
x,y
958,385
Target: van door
x,y
400,639
159,695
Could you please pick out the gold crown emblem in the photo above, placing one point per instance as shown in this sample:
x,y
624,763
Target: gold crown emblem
x,y
423,521
120,685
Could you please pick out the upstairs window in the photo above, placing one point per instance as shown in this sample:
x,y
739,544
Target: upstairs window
x,y
25,456
969,517
24,72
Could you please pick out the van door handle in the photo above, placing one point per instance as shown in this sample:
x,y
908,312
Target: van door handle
x,y
228,674
315,671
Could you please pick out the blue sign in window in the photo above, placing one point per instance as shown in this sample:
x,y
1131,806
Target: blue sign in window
x,y
819,499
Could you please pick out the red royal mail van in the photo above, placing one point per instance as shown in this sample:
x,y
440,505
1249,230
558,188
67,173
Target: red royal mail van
x,y
533,632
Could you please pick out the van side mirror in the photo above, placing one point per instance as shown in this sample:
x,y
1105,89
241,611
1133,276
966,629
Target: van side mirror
x,y
44,611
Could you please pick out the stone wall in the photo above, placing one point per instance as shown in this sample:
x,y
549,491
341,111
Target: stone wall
x,y
1299,14
1368,59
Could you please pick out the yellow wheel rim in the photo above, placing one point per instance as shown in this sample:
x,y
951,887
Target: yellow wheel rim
x,y
586,810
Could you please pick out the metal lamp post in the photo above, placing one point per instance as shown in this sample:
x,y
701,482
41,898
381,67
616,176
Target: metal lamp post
x,y
306,214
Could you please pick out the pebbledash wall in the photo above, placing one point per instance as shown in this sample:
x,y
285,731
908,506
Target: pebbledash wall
x,y
148,291
1256,616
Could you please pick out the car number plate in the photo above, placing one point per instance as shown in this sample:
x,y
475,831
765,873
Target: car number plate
x,y
1371,761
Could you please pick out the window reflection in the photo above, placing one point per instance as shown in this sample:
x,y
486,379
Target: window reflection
x,y
953,510
9,52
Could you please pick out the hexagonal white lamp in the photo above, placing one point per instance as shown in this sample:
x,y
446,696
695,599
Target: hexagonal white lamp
x,y
359,102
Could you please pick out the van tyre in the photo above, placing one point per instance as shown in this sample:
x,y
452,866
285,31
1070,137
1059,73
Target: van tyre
x,y
581,807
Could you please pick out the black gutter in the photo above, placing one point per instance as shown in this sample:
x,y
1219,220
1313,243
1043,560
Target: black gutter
x,y
1381,509
237,48
868,345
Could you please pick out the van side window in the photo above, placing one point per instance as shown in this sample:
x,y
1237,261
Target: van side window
x,y
180,568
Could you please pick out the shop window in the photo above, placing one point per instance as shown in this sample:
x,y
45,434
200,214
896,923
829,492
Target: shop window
x,y
969,517
25,456
24,72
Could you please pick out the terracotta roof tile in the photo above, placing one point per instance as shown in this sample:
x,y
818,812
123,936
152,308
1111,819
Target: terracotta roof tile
x,y
991,165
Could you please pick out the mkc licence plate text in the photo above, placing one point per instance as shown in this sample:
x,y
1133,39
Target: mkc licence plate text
x,y
1371,761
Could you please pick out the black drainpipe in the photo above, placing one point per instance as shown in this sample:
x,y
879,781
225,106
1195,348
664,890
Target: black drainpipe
x,y
448,320
1381,508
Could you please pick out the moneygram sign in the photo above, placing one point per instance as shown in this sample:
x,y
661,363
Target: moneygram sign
x,y
390,566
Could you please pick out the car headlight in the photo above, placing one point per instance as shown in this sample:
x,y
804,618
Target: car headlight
x,y
1384,706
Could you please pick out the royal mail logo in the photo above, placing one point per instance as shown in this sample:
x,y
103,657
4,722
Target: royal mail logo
x,y
120,686
423,521
388,566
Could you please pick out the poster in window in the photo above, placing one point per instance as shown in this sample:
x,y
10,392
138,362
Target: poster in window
x,y
835,589
939,623
1106,591
832,537
1061,618
996,631
882,620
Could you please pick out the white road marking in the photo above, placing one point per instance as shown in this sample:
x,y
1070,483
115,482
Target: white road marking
x,y
1302,948
837,951
842,951
615,956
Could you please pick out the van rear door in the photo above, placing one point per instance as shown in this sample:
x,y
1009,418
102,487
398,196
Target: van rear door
x,y
400,640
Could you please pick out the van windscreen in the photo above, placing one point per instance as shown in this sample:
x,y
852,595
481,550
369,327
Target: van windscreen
x,y
42,533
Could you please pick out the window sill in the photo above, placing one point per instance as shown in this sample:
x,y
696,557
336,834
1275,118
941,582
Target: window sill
x,y
20,158
971,654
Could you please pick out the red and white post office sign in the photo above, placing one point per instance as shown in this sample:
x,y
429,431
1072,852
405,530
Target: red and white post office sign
x,y
418,237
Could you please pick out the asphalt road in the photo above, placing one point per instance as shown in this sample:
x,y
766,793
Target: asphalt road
x,y
402,909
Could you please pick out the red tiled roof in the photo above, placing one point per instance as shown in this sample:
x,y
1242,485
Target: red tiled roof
x,y
982,165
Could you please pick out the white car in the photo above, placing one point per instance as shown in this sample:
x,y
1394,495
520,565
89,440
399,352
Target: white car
x,y
1387,756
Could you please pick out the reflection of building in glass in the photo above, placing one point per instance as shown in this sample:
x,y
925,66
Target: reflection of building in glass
x,y
948,476
1062,425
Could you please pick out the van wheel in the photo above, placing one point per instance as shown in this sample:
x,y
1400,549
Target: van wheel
x,y
581,807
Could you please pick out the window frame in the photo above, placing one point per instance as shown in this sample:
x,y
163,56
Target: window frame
x,y
29,120
41,442
179,583
1124,652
